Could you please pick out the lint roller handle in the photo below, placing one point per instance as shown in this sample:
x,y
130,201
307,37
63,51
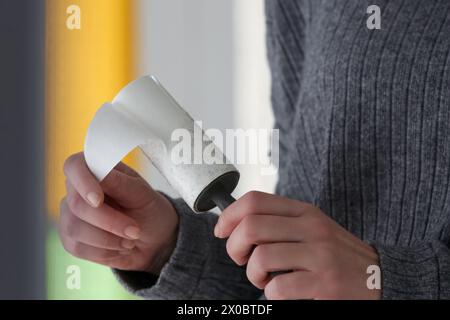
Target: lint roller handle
x,y
221,198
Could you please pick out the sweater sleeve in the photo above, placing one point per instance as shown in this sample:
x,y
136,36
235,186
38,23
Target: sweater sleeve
x,y
419,272
199,267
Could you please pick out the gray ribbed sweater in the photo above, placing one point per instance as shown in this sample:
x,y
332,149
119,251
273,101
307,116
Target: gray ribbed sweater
x,y
364,124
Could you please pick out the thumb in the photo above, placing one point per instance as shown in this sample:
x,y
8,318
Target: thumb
x,y
131,192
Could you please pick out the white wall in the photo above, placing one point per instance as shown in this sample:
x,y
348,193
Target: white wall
x,y
210,54
251,83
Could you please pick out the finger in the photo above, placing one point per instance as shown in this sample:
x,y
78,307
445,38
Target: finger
x,y
258,229
128,191
256,203
292,286
105,217
80,231
122,167
86,252
275,257
82,180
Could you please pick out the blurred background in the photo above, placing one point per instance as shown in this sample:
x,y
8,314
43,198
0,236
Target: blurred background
x,y
62,59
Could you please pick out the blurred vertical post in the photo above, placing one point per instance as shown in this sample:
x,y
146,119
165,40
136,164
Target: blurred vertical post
x,y
90,56
22,274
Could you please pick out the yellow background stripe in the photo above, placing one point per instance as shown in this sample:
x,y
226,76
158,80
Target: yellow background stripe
x,y
84,69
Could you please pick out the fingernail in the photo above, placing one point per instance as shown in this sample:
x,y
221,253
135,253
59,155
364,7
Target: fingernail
x,y
132,232
127,244
125,253
217,231
94,199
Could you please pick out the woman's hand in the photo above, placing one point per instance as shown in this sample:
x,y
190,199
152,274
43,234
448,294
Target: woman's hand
x,y
121,222
320,259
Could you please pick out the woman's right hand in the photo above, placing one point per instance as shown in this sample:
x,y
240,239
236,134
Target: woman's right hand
x,y
120,222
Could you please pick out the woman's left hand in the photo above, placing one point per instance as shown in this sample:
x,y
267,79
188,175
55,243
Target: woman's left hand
x,y
318,257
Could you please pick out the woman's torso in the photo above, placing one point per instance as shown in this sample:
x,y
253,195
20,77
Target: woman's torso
x,y
364,114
